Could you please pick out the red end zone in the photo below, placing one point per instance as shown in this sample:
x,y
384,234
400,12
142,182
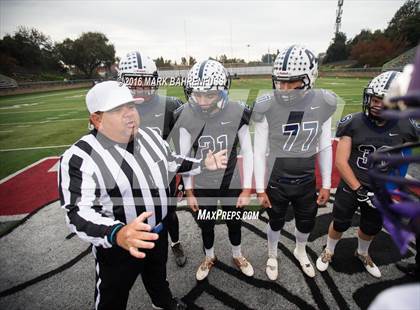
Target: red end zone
x,y
30,188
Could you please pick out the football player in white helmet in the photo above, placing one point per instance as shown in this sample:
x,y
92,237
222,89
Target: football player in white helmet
x,y
295,121
362,134
138,71
210,122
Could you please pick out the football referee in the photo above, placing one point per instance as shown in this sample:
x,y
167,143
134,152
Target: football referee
x,y
113,184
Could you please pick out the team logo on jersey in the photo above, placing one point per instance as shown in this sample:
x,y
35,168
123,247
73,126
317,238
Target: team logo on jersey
x,y
345,119
262,99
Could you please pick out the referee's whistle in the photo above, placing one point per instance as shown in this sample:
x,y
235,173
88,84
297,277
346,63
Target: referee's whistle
x,y
158,228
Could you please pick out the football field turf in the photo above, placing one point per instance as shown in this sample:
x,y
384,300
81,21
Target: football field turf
x,y
34,126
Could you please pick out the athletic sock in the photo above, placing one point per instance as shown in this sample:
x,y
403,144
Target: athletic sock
x,y
209,252
363,246
331,243
301,240
273,238
236,251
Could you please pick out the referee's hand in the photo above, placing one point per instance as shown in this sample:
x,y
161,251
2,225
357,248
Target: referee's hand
x,y
137,235
217,160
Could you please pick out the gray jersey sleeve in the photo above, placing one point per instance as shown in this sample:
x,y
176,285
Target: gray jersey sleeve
x,y
330,101
261,106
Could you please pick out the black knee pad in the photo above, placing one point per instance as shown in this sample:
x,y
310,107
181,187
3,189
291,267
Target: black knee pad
x,y
341,226
370,228
305,226
370,220
277,224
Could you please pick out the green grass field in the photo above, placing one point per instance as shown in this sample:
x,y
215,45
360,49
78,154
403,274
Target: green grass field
x,y
34,126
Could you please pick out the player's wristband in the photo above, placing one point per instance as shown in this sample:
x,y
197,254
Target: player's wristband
x,y
112,236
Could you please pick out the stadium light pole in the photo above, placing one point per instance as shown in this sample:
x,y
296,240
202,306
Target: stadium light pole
x,y
248,46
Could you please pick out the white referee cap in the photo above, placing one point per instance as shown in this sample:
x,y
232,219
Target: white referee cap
x,y
107,95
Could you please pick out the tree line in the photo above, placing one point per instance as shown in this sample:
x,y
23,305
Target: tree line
x,y
374,48
30,52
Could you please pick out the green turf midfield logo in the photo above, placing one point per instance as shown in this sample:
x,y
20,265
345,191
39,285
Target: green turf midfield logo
x,y
220,214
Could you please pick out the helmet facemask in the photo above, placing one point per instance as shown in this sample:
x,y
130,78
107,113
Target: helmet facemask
x,y
289,96
372,111
210,100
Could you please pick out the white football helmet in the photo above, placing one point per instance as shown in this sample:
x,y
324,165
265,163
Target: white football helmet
x,y
377,87
296,63
205,77
139,73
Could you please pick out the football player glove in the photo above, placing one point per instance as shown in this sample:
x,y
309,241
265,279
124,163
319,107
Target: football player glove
x,y
363,195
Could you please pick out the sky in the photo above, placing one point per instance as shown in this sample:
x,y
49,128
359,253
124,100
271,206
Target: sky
x,y
173,29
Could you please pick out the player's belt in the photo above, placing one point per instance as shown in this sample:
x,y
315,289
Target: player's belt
x,y
295,181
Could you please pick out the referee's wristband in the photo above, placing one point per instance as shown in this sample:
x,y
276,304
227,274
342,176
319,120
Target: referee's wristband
x,y
112,236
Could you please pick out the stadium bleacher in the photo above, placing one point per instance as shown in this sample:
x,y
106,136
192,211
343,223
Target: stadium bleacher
x,y
7,83
399,62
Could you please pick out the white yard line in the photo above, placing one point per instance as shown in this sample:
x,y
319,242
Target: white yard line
x,y
22,105
43,122
74,96
42,96
52,110
5,131
35,148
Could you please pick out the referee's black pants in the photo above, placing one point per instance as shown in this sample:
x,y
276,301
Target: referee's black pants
x,y
172,217
117,270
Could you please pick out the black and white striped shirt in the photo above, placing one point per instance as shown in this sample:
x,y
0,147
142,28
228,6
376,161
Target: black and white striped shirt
x,y
103,183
